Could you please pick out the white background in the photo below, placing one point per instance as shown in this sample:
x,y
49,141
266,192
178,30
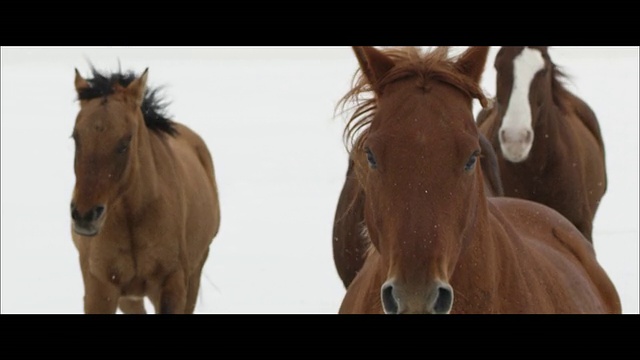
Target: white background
x,y
267,115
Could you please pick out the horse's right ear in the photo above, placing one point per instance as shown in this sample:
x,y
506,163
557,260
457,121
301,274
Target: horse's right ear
x,y
137,87
472,61
80,82
374,64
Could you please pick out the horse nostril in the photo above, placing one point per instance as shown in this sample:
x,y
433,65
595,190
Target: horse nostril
x,y
75,215
389,302
97,212
528,136
444,301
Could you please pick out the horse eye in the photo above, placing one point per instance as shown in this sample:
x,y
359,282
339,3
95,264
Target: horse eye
x,y
472,161
372,160
124,145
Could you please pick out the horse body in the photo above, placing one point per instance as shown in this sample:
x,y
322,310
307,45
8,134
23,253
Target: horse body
x,y
158,199
509,270
564,167
439,244
521,275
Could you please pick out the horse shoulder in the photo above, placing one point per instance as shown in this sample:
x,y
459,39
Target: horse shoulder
x,y
571,238
531,225
584,112
194,168
537,219
363,294
587,117
563,238
195,142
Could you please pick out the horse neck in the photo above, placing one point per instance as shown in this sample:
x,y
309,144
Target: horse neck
x,y
495,253
480,252
548,120
479,215
143,178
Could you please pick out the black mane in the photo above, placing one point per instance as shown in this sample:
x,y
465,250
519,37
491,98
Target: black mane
x,y
153,106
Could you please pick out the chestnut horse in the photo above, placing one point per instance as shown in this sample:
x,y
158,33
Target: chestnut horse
x,y
349,236
145,203
548,140
439,244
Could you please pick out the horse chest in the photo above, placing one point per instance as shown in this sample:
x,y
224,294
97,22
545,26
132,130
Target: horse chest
x,y
131,269
532,180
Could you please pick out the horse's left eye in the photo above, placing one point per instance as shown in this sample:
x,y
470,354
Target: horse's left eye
x,y
371,159
472,161
123,146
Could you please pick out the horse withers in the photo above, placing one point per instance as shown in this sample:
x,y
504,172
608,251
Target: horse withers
x,y
145,203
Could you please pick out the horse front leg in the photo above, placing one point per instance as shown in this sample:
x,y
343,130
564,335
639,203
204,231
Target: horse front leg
x,y
173,294
130,305
194,285
99,297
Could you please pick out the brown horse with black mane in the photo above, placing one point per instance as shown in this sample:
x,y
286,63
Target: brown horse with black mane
x,y
548,140
145,204
439,244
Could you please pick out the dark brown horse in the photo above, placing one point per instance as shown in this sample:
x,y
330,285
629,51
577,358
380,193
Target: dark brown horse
x,y
548,140
439,244
350,241
145,204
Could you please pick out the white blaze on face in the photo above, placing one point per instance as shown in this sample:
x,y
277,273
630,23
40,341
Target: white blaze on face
x,y
516,133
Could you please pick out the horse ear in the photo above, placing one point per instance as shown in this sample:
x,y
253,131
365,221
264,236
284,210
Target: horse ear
x,y
472,62
373,62
137,87
80,82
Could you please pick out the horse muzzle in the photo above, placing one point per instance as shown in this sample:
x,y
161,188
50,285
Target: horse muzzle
x,y
515,144
435,298
88,223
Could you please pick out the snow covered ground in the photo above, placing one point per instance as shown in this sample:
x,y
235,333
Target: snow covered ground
x,y
267,116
